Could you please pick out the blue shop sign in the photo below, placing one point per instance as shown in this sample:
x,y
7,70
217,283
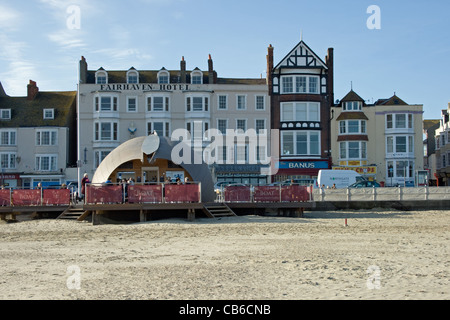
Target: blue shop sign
x,y
303,165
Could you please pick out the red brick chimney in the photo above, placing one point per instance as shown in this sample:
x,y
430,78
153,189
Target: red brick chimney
x,y
33,90
269,68
210,70
183,70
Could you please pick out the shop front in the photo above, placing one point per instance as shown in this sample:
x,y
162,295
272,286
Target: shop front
x,y
299,169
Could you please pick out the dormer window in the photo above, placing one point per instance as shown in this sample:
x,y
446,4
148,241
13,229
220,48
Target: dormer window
x,y
163,77
101,77
5,114
352,106
197,77
49,114
132,76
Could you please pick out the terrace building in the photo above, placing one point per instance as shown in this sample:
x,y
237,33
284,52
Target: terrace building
x,y
117,106
37,138
382,141
302,92
442,145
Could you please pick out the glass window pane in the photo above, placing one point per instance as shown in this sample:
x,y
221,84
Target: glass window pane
x,y
288,143
400,145
300,85
302,143
353,150
287,112
400,121
300,112
314,143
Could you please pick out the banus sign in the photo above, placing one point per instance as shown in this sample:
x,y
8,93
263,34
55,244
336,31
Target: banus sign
x,y
303,165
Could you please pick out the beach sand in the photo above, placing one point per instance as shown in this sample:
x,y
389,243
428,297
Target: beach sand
x,y
379,255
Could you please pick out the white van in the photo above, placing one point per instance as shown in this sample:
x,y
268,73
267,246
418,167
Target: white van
x,y
340,178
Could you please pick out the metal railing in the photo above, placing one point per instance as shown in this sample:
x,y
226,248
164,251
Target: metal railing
x,y
383,194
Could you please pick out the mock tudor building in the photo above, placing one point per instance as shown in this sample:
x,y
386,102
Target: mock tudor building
x,y
382,141
116,106
301,91
37,138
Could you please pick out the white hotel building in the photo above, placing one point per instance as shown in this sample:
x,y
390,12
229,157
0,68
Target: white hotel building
x,y
115,106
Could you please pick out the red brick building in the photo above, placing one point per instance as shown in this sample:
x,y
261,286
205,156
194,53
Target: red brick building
x,y
302,93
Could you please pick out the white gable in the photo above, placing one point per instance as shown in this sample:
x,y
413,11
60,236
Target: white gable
x,y
301,57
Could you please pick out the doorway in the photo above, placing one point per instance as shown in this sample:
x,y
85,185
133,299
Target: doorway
x,y
150,174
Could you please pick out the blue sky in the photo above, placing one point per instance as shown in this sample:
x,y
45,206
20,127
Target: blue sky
x,y
409,55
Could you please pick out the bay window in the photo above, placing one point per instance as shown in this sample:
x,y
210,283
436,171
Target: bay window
x,y
352,127
352,150
300,111
399,144
303,143
300,84
399,121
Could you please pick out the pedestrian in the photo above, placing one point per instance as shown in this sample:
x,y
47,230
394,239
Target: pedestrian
x,y
84,181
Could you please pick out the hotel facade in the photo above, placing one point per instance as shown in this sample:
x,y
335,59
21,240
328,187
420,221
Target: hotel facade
x,y
116,106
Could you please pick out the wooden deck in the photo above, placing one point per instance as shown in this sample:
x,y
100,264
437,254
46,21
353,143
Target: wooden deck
x,y
145,211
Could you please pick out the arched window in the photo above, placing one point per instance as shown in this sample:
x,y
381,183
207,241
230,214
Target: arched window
x,y
101,76
196,77
163,76
132,76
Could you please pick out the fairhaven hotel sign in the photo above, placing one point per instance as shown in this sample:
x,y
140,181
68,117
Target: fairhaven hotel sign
x,y
144,87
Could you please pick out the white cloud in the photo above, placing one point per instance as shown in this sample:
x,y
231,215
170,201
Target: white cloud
x,y
19,70
119,55
9,18
67,39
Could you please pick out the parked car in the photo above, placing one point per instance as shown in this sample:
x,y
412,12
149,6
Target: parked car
x,y
219,186
365,184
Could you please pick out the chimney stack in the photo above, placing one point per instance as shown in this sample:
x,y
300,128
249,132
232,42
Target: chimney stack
x,y
183,70
33,90
330,63
269,68
210,70
83,70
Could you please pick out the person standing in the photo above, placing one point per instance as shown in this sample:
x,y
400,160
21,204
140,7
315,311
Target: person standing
x,y
84,181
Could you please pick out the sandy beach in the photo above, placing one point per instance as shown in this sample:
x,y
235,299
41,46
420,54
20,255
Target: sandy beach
x,y
378,255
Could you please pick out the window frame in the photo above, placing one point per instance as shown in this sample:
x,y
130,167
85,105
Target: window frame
x,y
291,82
295,143
309,106
98,131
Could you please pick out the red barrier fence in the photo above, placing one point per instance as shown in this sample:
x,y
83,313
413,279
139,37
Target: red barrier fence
x,y
5,198
56,197
237,194
294,193
182,193
145,193
26,197
266,194
104,194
